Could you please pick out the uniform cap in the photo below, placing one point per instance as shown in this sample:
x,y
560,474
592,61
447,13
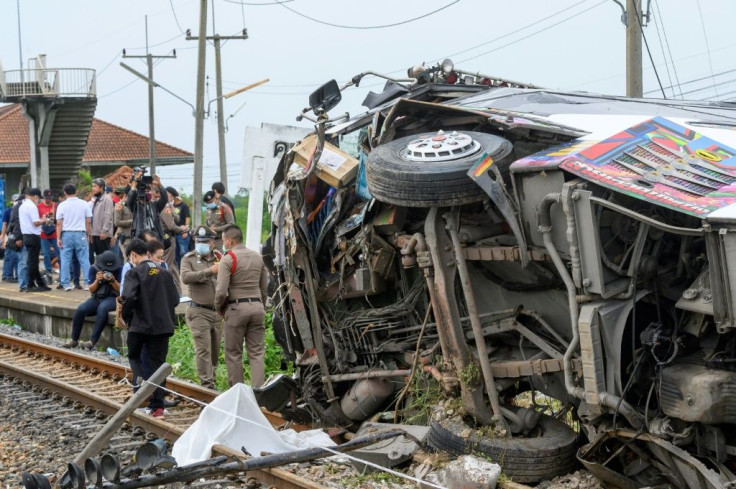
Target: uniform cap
x,y
203,235
209,196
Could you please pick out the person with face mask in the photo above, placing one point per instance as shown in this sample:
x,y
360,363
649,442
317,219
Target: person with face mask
x,y
199,271
30,225
149,300
47,210
218,216
242,282
103,211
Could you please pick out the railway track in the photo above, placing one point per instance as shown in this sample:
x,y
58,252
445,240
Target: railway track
x,y
102,387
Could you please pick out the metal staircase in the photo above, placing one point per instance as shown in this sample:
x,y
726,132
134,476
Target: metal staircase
x,y
59,105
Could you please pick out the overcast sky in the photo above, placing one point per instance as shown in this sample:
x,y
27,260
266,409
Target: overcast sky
x,y
580,46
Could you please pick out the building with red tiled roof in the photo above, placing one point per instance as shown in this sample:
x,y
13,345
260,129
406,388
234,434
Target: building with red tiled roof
x,y
108,148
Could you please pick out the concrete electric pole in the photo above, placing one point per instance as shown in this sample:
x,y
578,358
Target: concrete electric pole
x,y
218,82
634,84
151,125
199,117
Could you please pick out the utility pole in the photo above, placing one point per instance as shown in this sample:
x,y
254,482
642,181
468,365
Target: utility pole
x,y
151,131
199,117
218,82
634,85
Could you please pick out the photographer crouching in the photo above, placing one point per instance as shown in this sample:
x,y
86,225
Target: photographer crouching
x,y
146,211
104,280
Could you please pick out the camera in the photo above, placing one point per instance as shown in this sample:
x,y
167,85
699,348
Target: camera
x,y
143,180
107,276
138,169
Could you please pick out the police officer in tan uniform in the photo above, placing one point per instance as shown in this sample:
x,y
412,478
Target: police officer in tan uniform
x,y
218,216
199,272
122,219
242,281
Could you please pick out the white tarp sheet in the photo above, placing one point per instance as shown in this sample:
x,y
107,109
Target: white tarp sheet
x,y
235,420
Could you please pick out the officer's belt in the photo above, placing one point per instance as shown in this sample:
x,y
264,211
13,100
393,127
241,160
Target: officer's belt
x,y
244,299
194,304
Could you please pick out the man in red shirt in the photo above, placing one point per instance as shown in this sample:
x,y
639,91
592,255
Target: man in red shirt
x,y
46,208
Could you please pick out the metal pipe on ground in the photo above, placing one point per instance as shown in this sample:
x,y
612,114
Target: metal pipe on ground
x,y
191,473
100,440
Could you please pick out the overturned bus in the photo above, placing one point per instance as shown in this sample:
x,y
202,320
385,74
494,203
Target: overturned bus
x,y
559,264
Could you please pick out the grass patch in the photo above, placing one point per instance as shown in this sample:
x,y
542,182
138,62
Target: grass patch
x,y
424,394
182,359
369,479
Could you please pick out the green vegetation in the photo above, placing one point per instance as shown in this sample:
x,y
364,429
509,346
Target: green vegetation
x,y
241,212
84,182
181,356
470,376
381,478
424,395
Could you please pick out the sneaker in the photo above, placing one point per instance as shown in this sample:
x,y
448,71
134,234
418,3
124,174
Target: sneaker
x,y
70,344
87,345
168,403
86,287
158,413
43,288
23,290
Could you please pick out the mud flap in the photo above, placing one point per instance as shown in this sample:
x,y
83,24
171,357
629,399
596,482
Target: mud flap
x,y
487,176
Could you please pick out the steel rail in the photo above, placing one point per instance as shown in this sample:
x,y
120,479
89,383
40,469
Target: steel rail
x,y
270,477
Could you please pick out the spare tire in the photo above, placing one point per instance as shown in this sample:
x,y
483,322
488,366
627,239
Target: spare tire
x,y
430,169
549,451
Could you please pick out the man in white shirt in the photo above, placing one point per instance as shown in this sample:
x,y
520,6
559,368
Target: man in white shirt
x,y
73,230
30,226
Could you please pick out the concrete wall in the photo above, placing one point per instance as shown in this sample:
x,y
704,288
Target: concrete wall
x,y
51,320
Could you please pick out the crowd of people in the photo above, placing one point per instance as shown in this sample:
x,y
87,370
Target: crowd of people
x,y
134,250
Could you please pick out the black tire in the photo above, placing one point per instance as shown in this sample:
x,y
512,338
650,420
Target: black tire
x,y
395,180
549,451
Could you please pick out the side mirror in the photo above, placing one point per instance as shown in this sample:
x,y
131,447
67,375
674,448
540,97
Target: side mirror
x,y
326,97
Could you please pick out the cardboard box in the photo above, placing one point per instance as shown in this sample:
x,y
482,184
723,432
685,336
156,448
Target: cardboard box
x,y
335,167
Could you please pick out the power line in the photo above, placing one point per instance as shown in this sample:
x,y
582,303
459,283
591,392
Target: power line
x,y
159,43
695,80
726,82
176,19
664,56
341,26
513,32
100,72
667,42
721,95
646,43
707,46
535,32
116,90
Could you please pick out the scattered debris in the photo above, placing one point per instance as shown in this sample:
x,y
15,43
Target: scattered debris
x,y
389,453
468,472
